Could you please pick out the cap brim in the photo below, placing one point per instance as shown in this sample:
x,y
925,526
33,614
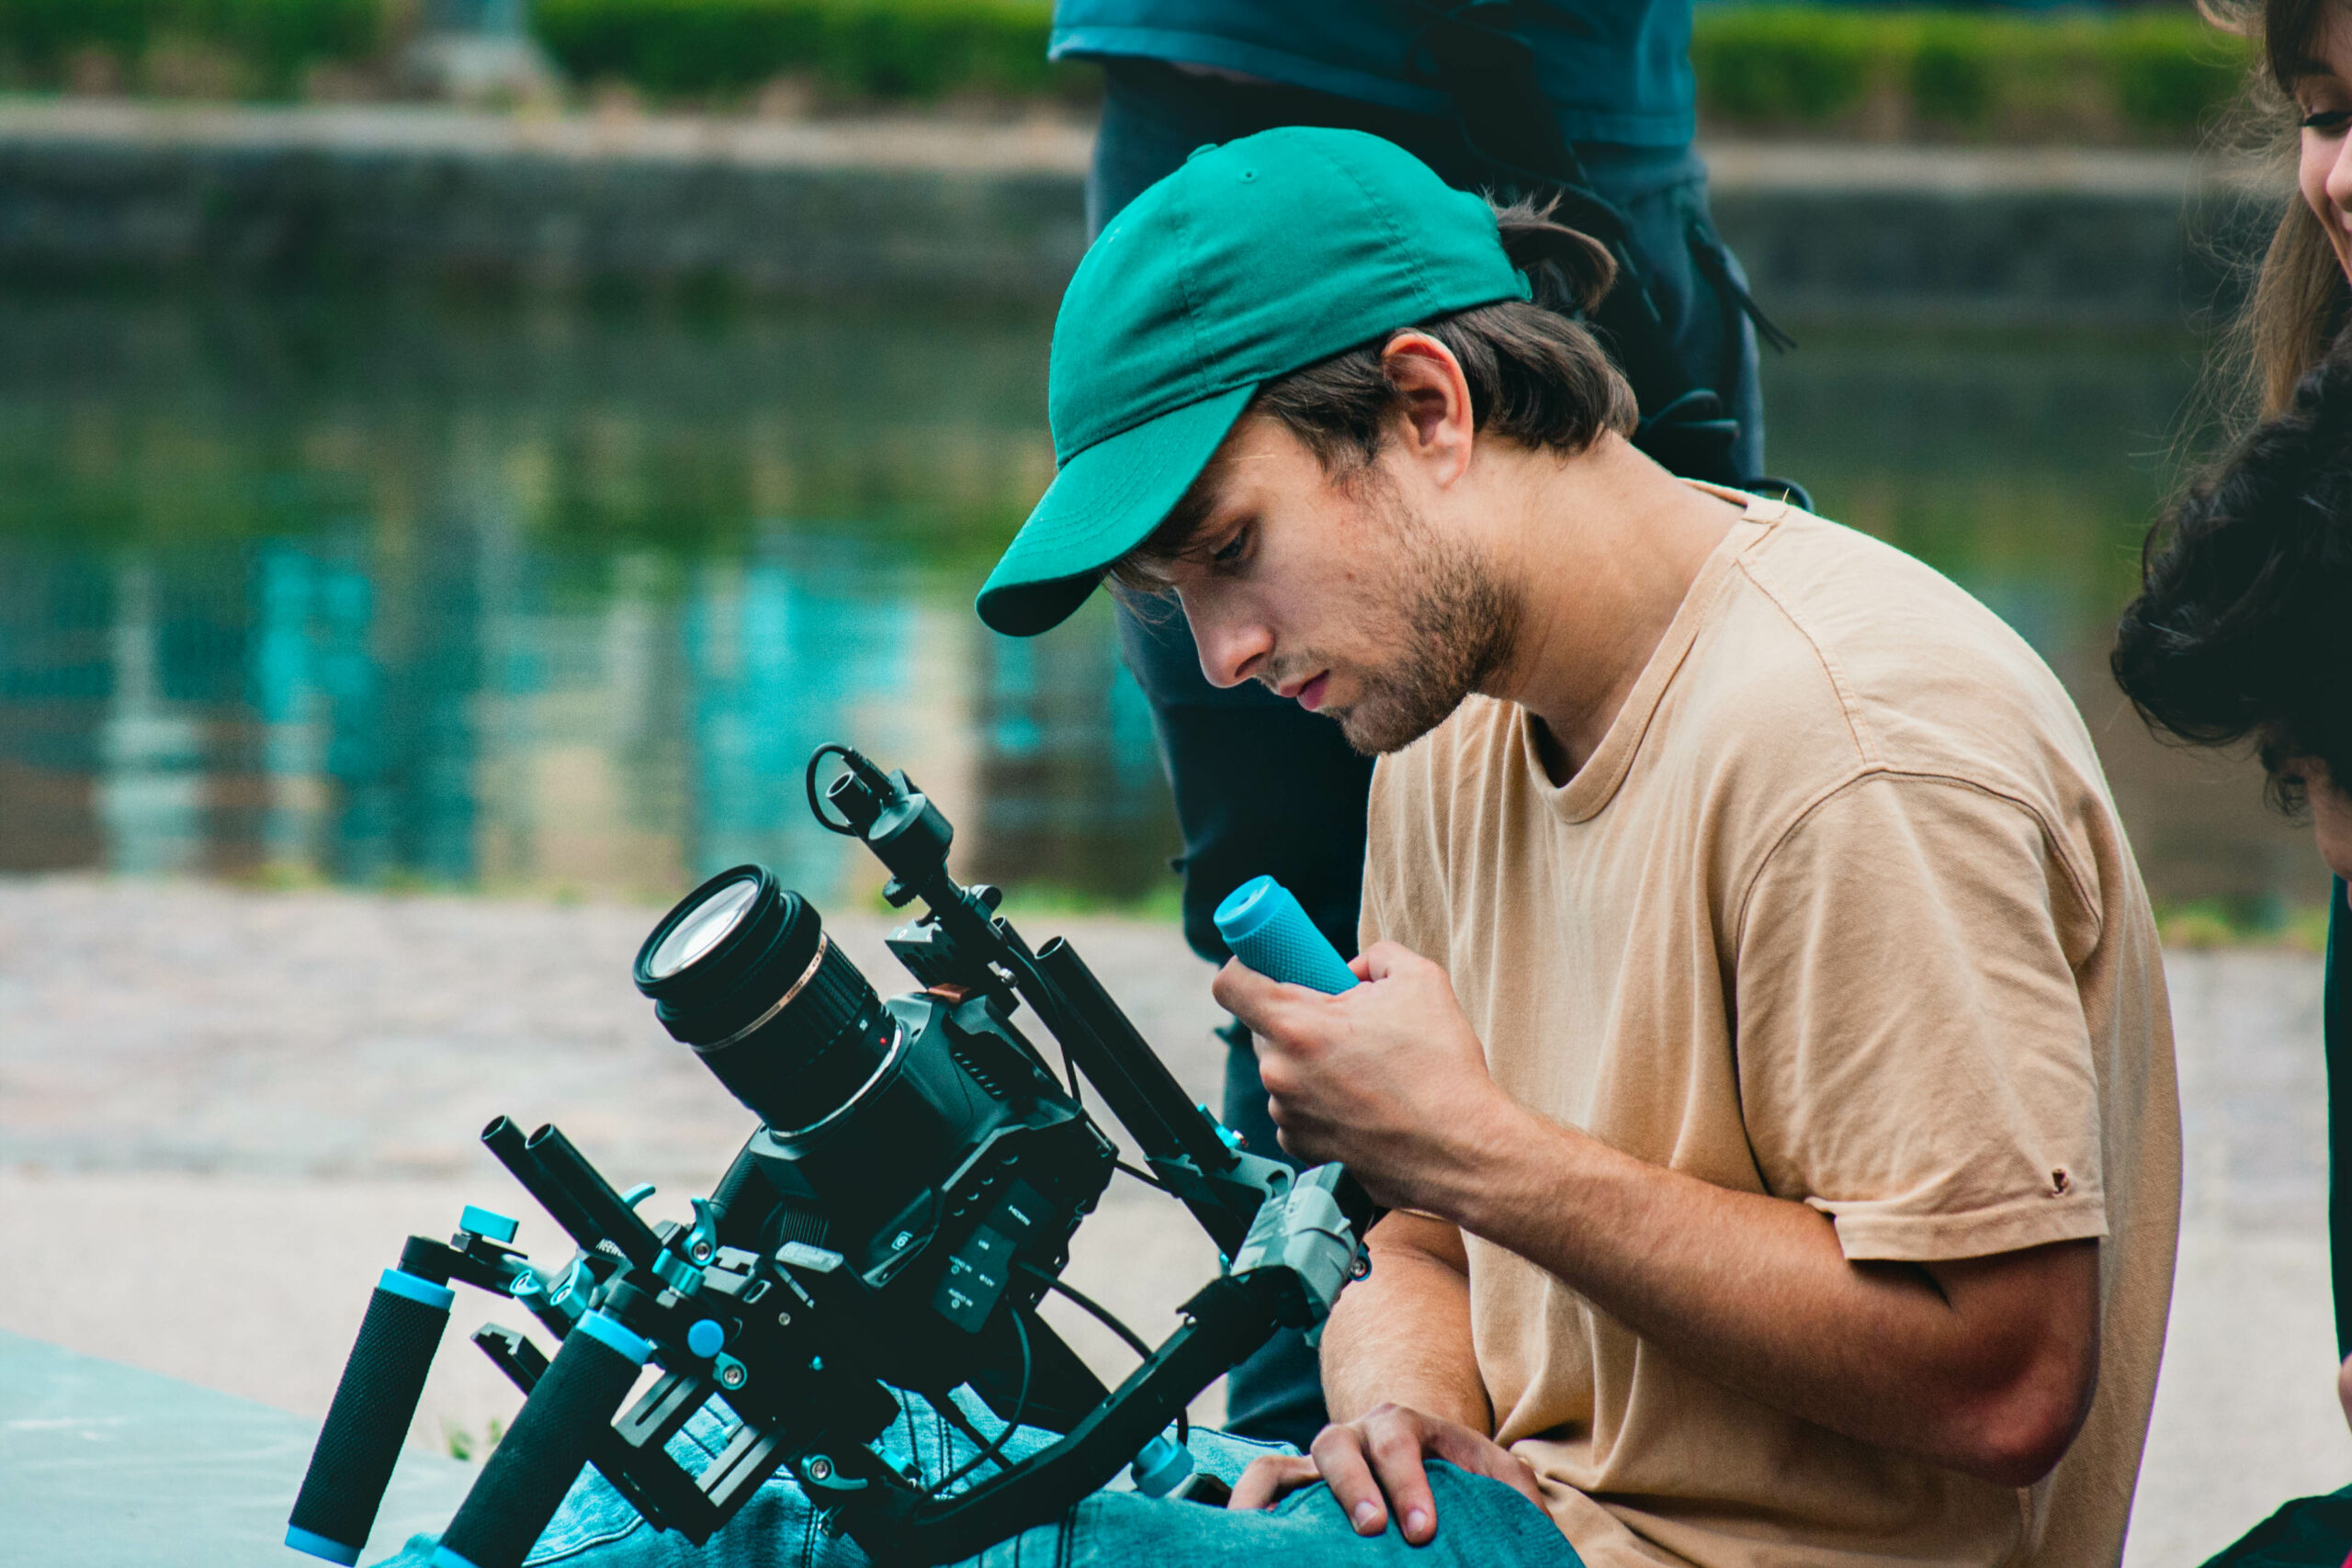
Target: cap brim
x,y
1104,503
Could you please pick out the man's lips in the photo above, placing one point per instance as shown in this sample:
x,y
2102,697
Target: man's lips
x,y
1310,696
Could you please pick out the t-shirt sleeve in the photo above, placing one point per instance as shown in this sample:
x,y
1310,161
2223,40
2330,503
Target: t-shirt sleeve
x,y
1913,1055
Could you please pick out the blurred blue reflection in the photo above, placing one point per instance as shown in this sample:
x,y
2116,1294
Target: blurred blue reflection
x,y
393,594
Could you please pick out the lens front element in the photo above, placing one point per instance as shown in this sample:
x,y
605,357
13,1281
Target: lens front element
x,y
742,972
702,929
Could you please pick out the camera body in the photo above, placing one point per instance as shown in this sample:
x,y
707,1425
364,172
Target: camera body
x,y
993,1168
921,1140
890,1228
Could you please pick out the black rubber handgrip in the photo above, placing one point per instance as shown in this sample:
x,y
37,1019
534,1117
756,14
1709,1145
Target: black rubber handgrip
x,y
373,1405
535,1464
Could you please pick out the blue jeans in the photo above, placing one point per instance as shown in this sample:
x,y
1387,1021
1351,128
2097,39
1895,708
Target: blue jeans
x,y
1481,1523
1261,784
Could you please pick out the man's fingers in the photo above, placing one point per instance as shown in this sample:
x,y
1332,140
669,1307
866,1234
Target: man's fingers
x,y
1267,1479
1271,1008
1395,1446
1480,1456
1339,1457
1240,990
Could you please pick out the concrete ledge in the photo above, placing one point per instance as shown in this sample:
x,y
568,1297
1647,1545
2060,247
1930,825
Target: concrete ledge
x,y
437,196
2018,237
382,195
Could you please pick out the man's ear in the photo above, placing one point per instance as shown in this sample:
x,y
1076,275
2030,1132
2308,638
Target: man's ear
x,y
1436,426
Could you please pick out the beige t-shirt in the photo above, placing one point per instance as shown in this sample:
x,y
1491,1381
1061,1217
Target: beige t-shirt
x,y
1840,911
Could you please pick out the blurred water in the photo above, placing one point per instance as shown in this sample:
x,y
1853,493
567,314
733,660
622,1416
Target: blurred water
x,y
389,593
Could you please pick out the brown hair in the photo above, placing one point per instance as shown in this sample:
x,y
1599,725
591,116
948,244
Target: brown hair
x,y
1537,376
2300,298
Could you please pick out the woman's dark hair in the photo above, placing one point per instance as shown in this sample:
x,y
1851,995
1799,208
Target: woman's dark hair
x,y
2243,627
1537,376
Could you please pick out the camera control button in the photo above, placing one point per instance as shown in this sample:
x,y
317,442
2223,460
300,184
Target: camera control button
x,y
975,1279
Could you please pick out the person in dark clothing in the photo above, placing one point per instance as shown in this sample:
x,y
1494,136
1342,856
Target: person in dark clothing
x,y
1260,786
2241,633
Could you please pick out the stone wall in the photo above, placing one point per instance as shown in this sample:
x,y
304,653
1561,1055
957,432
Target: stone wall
x,y
97,190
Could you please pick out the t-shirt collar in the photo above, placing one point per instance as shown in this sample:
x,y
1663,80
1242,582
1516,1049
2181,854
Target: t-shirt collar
x,y
1595,784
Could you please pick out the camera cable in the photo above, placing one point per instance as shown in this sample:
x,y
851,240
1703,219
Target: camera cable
x,y
1012,1424
1103,1315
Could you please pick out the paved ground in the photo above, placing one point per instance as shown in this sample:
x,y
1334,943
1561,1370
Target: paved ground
x,y
103,1465
221,1110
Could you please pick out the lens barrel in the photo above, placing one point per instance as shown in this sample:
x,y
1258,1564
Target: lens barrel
x,y
741,970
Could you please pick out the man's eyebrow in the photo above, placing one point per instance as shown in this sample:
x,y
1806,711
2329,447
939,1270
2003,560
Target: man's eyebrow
x,y
1179,537
1195,523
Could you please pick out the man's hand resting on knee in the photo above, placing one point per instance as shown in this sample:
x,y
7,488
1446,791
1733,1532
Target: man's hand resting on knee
x,y
1377,1464
1404,1389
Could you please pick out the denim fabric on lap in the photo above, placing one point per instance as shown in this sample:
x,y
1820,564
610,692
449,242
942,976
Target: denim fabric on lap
x,y
596,1528
1481,1524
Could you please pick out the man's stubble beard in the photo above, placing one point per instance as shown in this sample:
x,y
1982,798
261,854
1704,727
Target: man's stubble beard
x,y
1459,624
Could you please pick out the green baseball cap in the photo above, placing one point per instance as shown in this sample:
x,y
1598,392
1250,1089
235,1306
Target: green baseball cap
x,y
1255,259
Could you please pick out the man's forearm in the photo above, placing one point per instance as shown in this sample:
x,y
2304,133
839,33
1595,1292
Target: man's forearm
x,y
1402,1335
1755,1293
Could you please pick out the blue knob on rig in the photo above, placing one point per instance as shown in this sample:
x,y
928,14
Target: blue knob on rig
x,y
1263,924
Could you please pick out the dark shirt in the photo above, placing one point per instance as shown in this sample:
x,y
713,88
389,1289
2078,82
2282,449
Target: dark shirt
x,y
1615,72
2336,1016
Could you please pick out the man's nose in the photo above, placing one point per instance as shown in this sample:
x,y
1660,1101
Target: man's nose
x,y
1231,651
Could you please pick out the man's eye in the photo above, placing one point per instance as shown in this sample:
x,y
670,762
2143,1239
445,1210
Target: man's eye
x,y
1233,548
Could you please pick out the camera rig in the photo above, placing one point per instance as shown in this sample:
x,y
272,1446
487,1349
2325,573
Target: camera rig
x,y
890,1228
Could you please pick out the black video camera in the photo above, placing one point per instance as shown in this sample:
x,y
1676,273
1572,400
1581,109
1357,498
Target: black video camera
x,y
889,1231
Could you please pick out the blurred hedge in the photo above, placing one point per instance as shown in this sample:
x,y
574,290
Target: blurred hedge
x,y
1884,73
869,48
1873,73
273,39
2142,75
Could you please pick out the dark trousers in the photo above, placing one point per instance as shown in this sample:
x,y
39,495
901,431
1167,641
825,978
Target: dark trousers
x,y
1260,784
2310,1532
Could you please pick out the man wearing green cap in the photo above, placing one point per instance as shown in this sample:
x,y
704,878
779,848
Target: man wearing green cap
x,y
1764,1047
1605,103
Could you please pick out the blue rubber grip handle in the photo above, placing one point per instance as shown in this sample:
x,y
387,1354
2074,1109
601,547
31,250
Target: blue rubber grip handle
x,y
360,1442
1263,924
535,1464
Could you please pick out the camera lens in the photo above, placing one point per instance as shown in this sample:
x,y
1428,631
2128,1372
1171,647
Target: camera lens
x,y
702,929
741,970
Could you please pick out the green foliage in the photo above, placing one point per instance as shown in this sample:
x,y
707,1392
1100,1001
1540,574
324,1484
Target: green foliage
x,y
274,37
873,48
1779,65
2170,75
1955,62
2145,76
2154,76
463,1445
2139,75
40,32
2243,922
